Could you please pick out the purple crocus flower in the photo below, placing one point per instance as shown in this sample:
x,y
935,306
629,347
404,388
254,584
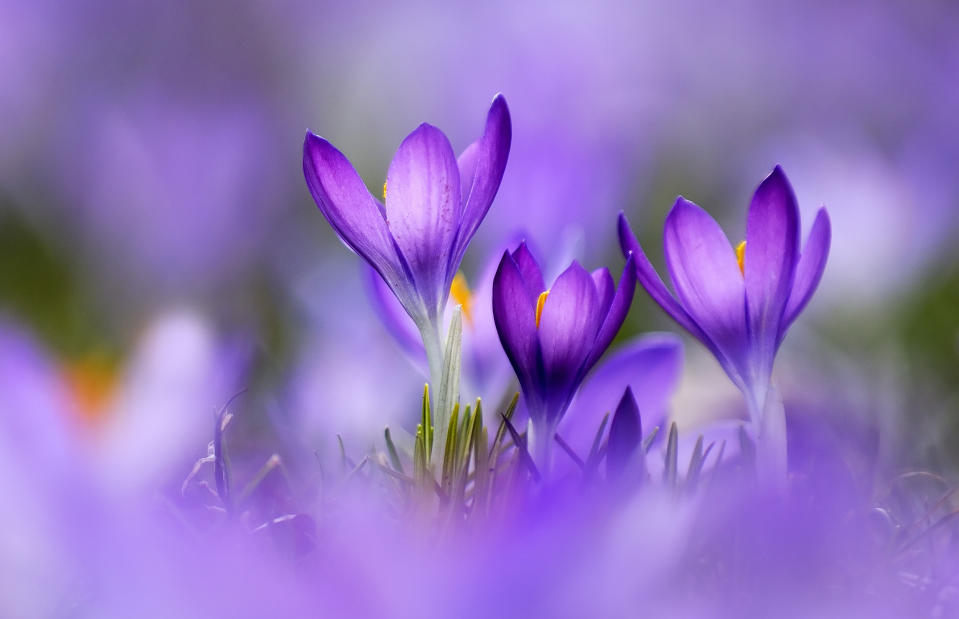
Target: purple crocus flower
x,y
553,336
739,302
433,204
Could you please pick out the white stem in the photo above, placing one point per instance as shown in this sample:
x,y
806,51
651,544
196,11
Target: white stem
x,y
539,443
769,421
433,342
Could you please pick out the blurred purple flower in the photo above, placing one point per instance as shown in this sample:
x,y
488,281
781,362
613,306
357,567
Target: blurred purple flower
x,y
554,336
174,195
625,434
739,303
434,203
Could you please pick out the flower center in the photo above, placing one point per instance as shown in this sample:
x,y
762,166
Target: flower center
x,y
540,302
384,191
740,254
460,292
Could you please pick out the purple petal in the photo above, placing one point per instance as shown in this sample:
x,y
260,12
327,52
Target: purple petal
x,y
567,331
651,364
625,434
481,170
466,163
654,285
514,316
707,279
396,320
605,288
529,269
809,271
422,208
612,319
351,210
769,265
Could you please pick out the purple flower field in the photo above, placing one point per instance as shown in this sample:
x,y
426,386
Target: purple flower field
x,y
504,309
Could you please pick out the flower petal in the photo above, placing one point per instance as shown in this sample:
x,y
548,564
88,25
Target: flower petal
x,y
529,269
567,332
625,434
422,208
605,288
481,169
654,285
352,212
651,364
513,314
809,271
707,279
394,317
613,316
769,265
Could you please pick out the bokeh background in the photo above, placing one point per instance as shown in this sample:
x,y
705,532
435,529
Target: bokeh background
x,y
159,247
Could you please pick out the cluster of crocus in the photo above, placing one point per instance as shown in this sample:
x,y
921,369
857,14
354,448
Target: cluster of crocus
x,y
737,302
740,302
702,539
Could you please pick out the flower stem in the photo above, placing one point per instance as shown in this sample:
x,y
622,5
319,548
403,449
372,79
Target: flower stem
x,y
539,443
433,342
769,420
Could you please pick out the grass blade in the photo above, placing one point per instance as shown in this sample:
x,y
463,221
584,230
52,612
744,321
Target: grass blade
x,y
391,450
524,456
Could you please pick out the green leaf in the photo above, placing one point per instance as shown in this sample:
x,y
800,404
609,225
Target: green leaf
x,y
696,463
569,452
747,449
481,467
473,433
719,458
391,450
344,459
462,439
475,424
420,455
272,463
449,451
524,456
501,431
426,423
452,360
648,441
672,455
595,452
468,435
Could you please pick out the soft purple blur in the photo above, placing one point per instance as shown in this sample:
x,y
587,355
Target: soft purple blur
x,y
159,254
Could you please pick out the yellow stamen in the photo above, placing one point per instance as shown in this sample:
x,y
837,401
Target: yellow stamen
x,y
540,302
384,191
460,291
740,255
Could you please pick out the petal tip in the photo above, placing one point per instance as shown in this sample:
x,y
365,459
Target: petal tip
x,y
777,178
682,207
499,102
314,141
